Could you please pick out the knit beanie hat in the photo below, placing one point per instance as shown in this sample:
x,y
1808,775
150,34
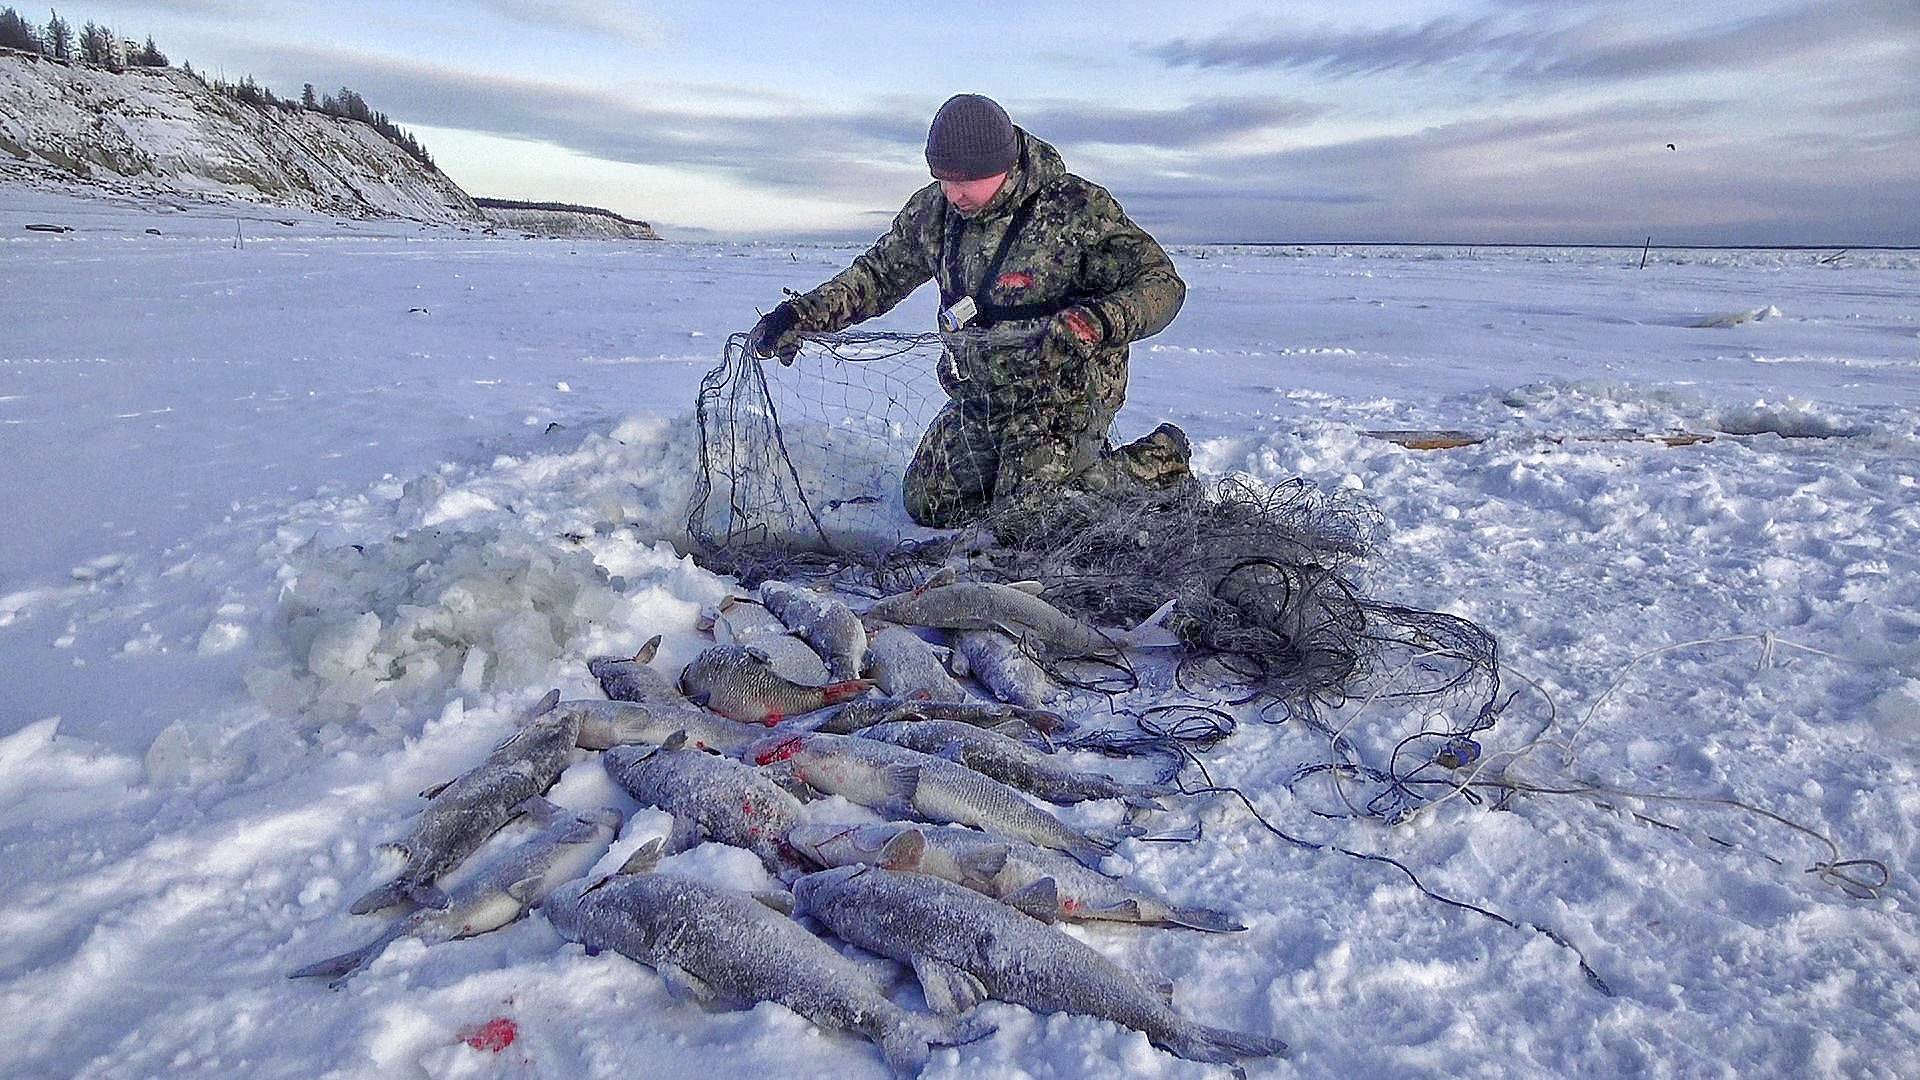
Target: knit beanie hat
x,y
971,139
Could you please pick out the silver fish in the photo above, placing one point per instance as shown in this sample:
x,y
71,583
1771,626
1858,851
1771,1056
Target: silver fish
x,y
739,683
461,813
1041,883
714,945
966,948
828,625
711,798
906,783
903,665
1004,668
1035,726
1016,610
620,723
1013,763
635,678
507,889
738,621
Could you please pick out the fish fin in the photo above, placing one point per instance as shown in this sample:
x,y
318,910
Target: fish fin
x,y
957,663
539,810
683,985
776,900
1142,797
646,653
984,863
1040,899
949,991
904,851
1090,855
944,576
675,741
338,969
759,654
903,781
1207,919
1031,588
700,698
394,894
430,792
684,834
846,689
545,705
428,896
1152,633
1198,1042
782,774
707,620
527,889
1120,911
645,859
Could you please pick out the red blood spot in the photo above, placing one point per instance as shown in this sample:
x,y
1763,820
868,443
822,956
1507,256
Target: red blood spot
x,y
1015,279
781,751
771,719
496,1035
1069,905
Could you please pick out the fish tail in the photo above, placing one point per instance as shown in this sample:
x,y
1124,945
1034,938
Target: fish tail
x,y
338,969
1207,919
1089,853
1198,1042
909,1044
1146,796
835,693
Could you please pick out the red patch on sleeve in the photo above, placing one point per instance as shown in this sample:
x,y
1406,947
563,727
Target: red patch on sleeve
x,y
781,751
496,1035
1015,279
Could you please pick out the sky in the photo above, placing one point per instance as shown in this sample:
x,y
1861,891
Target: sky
x,y
1790,121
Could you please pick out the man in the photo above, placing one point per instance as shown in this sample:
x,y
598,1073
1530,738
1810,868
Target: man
x,y
1051,280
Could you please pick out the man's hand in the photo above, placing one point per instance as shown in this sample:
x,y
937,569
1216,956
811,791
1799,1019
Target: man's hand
x,y
774,334
1075,329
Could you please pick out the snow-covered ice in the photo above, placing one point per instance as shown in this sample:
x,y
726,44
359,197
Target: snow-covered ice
x,y
296,524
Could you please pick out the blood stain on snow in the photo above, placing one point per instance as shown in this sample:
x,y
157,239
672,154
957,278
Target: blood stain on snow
x,y
496,1035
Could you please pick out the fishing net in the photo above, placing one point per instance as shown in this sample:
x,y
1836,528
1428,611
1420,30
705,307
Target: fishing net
x,y
800,477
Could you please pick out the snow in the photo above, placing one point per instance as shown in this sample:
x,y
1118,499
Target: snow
x,y
280,552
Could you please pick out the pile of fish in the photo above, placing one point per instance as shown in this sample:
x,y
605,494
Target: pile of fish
x,y
800,697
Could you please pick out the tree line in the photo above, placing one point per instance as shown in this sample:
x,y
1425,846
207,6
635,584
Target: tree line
x,y
98,44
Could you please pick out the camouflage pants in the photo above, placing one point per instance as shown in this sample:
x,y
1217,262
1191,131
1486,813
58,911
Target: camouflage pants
x,y
974,457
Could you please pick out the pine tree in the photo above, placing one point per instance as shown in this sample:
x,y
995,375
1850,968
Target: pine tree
x,y
151,56
16,32
97,45
59,38
307,98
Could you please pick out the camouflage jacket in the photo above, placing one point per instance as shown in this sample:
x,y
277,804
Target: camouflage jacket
x,y
1070,245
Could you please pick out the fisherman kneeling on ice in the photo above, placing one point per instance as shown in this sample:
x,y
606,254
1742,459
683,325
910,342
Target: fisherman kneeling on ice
x,y
1043,283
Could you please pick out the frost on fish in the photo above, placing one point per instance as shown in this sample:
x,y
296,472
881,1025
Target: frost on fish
x,y
635,678
903,665
1042,883
716,946
1013,763
739,682
463,812
906,783
828,625
1004,668
606,724
711,798
501,893
966,948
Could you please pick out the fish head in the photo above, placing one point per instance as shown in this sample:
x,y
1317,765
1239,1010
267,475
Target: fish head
x,y
840,845
814,892
775,749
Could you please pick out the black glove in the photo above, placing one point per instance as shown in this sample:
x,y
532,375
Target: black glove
x,y
773,335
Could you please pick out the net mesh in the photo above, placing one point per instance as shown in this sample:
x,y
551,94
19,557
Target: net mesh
x,y
800,478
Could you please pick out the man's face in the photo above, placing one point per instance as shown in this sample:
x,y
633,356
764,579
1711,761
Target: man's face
x,y
968,196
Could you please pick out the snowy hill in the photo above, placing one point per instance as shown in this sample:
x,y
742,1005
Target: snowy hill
x,y
562,219
158,131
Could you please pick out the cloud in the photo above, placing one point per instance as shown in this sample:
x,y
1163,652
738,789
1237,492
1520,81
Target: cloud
x,y
1208,121
606,18
1603,46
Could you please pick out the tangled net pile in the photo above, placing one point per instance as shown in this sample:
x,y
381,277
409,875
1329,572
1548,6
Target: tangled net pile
x,y
1263,579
